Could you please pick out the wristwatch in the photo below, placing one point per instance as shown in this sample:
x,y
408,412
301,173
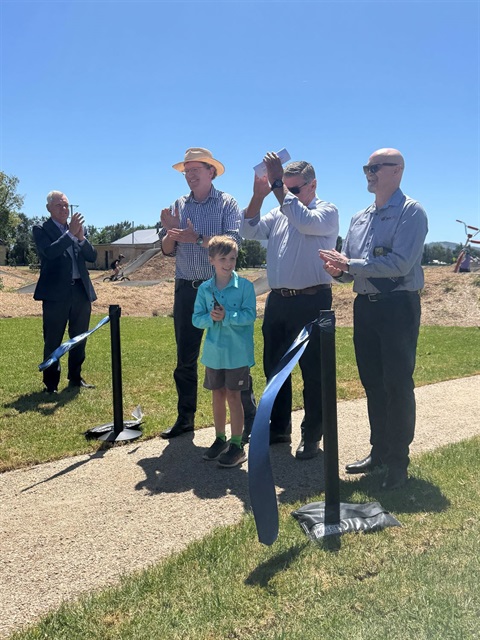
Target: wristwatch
x,y
277,184
199,240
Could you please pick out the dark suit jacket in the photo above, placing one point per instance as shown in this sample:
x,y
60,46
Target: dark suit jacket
x,y
55,281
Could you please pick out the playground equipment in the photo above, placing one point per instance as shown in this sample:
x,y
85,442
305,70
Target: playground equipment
x,y
469,240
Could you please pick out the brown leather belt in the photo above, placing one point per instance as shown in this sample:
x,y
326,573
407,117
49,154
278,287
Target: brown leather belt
x,y
309,291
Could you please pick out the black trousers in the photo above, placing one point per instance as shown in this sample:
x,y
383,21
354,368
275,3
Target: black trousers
x,y
283,320
189,339
385,338
74,310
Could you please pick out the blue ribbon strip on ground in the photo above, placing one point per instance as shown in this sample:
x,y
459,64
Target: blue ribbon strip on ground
x,y
66,346
260,477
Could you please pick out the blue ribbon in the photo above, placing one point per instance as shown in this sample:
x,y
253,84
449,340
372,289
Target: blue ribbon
x,y
260,477
67,346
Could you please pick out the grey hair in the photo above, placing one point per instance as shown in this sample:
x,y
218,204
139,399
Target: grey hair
x,y
53,194
301,168
210,166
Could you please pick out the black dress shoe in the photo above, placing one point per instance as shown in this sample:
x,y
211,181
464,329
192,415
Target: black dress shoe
x,y
395,479
50,390
280,438
177,430
82,384
307,450
367,465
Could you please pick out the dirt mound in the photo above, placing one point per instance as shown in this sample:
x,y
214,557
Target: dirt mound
x,y
157,268
447,299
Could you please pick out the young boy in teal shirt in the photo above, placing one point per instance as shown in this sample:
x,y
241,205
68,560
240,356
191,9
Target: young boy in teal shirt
x,y
226,306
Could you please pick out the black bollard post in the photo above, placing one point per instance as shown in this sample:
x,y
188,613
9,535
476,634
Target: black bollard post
x,y
118,430
114,312
329,413
327,521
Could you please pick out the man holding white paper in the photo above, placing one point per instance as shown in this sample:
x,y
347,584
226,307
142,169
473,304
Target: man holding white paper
x,y
295,230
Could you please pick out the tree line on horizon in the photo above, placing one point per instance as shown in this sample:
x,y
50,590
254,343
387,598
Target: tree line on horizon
x,y
16,235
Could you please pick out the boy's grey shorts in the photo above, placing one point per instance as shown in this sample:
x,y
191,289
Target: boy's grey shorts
x,y
232,379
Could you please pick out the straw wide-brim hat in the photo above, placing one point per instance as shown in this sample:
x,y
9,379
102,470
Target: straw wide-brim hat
x,y
197,154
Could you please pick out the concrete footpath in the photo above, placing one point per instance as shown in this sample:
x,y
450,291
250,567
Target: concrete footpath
x,y
78,524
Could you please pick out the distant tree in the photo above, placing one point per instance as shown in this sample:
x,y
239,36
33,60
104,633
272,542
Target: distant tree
x,y
10,205
426,259
241,259
23,250
112,232
253,253
436,252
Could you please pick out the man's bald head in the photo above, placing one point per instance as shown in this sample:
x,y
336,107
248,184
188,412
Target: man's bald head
x,y
387,155
385,175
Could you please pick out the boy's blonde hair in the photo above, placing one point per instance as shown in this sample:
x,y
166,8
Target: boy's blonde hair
x,y
221,245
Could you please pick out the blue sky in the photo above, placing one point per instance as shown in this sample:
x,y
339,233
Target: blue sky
x,y
99,99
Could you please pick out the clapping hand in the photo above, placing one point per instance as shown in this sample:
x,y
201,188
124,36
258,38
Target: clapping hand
x,y
76,226
170,220
335,262
261,188
184,235
274,167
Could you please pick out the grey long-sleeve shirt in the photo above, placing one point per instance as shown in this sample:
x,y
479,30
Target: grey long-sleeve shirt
x,y
387,243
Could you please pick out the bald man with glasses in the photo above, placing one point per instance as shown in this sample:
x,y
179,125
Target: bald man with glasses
x,y
295,230
382,254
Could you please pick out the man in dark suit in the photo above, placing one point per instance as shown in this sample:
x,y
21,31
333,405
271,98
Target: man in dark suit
x,y
64,286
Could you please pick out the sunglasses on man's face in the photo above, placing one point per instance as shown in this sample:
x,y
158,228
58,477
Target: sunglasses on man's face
x,y
375,168
296,190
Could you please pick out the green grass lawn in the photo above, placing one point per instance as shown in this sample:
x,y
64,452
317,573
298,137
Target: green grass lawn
x,y
418,581
35,428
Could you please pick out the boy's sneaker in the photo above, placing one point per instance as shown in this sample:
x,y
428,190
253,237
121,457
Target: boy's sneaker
x,y
216,450
233,457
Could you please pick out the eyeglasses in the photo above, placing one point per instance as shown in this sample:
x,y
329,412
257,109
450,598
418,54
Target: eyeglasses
x,y
193,172
374,168
296,190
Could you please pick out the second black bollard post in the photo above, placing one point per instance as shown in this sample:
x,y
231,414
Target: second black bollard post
x,y
329,417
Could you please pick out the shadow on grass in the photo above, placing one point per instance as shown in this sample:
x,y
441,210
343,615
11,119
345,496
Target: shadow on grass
x,y
41,402
416,496
262,574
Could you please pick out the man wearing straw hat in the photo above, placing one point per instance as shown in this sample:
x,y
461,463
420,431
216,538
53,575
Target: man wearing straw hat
x,y
187,227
